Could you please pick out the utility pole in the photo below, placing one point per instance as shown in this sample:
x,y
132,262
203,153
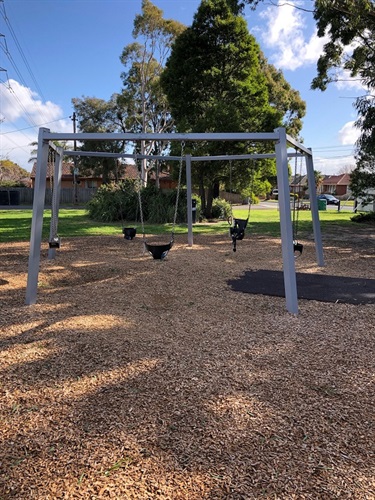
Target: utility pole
x,y
75,170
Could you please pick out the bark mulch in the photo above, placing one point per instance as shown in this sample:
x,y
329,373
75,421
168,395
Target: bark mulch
x,y
139,379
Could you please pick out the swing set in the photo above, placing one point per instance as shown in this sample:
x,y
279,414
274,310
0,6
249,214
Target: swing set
x,y
281,142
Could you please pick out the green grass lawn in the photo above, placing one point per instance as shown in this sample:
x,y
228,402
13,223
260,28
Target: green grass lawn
x,y
15,225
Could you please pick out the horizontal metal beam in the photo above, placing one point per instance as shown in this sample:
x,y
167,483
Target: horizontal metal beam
x,y
253,156
295,144
233,136
59,150
103,154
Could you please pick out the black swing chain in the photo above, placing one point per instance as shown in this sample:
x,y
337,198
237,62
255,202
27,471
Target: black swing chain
x,y
139,189
53,189
295,203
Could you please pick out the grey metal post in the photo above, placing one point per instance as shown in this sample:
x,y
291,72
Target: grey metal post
x,y
55,202
37,219
189,195
314,210
290,281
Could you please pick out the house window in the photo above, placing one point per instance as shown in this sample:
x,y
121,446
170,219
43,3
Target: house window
x,y
91,184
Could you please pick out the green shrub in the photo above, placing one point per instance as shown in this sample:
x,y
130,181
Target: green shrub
x,y
159,207
114,202
105,205
198,207
12,184
364,217
221,209
128,200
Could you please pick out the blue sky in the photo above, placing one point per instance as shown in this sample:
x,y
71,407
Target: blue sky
x,y
54,50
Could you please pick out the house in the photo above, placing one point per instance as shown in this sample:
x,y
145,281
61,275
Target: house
x,y
67,177
337,185
298,185
95,181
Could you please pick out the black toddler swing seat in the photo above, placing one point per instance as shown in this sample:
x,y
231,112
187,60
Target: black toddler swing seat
x,y
297,247
129,232
158,252
237,231
54,242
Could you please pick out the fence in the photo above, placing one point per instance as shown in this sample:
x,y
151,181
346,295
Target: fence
x,y
24,196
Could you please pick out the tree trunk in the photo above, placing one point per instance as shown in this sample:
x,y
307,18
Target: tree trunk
x,y
216,190
106,169
210,198
202,194
157,173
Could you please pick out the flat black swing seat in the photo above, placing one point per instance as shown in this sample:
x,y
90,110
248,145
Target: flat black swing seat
x,y
158,252
237,231
129,232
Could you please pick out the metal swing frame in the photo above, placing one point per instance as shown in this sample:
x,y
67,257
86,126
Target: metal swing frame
x,y
278,137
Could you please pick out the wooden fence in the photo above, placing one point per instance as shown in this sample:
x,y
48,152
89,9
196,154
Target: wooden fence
x,y
24,196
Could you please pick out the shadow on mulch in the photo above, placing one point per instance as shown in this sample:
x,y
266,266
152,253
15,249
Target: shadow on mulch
x,y
323,288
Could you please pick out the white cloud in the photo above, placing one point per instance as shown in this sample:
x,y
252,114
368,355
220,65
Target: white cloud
x,y
347,82
285,33
332,166
349,134
18,101
24,112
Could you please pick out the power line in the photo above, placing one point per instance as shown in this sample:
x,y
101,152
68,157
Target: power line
x,y
17,147
4,47
39,125
334,149
14,36
22,107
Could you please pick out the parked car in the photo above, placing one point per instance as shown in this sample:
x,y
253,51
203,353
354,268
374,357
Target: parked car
x,y
330,199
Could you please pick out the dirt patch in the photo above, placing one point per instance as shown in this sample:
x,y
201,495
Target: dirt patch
x,y
138,379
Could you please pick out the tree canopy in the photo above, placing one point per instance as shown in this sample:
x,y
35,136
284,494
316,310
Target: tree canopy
x,y
213,75
11,174
284,98
142,96
97,115
217,80
351,28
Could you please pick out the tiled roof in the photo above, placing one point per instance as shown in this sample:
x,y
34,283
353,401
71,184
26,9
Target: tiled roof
x,y
131,171
66,169
298,180
335,180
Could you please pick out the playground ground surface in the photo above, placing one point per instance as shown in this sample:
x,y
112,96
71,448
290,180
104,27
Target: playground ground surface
x,y
139,379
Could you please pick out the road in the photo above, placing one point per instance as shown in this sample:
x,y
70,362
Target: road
x,y
267,205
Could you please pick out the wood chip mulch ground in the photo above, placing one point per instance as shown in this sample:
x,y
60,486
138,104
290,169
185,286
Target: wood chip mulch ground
x,y
139,379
